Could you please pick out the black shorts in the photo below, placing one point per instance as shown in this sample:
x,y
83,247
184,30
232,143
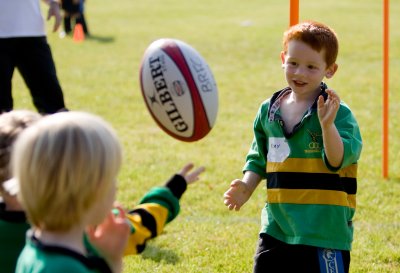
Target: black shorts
x,y
70,6
274,256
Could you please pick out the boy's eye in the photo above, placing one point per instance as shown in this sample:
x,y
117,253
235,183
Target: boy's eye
x,y
292,63
312,67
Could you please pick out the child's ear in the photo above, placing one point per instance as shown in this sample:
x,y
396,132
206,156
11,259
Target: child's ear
x,y
331,70
283,57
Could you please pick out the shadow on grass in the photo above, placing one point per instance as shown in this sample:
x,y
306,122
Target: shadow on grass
x,y
157,254
100,39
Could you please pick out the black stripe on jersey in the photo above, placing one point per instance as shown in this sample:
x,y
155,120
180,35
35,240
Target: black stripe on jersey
x,y
148,220
140,248
320,181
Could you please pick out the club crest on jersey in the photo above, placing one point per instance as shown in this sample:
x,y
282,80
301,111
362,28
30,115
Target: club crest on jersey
x,y
314,146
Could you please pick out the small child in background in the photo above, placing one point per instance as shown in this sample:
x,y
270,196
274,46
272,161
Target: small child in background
x,y
73,11
13,222
66,166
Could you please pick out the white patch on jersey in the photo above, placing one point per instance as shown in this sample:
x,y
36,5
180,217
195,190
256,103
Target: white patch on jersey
x,y
278,149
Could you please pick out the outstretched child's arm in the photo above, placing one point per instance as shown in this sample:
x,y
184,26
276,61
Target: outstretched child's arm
x,y
241,190
333,144
157,208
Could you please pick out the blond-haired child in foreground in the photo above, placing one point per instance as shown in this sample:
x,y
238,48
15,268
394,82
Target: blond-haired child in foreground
x,y
67,165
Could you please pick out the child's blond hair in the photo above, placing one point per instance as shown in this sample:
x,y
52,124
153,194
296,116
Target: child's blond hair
x,y
65,163
11,125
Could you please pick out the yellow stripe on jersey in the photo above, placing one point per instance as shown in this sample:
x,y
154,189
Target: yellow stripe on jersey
x,y
142,233
308,165
314,197
352,200
159,213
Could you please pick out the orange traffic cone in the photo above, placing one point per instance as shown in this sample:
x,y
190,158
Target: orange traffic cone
x,y
79,35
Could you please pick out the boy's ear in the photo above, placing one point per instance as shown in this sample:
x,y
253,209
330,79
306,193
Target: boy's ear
x,y
283,57
331,70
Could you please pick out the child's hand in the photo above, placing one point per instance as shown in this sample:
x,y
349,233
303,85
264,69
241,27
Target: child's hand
x,y
110,238
54,11
237,195
327,110
192,176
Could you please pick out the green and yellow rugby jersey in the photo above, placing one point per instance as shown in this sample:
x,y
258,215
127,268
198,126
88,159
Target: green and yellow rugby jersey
x,y
156,209
308,201
13,227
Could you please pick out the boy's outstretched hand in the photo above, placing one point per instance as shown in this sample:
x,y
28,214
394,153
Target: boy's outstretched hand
x,y
237,195
327,109
192,176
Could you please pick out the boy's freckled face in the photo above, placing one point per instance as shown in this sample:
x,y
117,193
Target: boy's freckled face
x,y
304,67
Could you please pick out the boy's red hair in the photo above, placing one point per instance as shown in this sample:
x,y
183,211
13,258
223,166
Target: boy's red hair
x,y
316,35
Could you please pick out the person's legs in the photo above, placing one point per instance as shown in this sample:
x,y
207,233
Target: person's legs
x,y
70,10
7,65
80,19
67,24
37,67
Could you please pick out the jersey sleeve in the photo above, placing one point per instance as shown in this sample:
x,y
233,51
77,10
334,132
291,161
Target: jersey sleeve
x,y
157,208
256,156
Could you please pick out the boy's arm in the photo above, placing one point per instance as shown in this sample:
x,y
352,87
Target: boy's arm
x,y
241,190
333,144
157,208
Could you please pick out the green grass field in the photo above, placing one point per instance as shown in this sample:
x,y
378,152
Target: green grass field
x,y
241,41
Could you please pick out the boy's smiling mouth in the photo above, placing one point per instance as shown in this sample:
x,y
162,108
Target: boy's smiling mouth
x,y
299,83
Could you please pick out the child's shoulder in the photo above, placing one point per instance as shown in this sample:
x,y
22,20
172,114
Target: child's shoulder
x,y
40,258
266,103
34,260
275,96
344,109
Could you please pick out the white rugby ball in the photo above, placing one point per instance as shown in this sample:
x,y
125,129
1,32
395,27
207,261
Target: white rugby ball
x,y
179,89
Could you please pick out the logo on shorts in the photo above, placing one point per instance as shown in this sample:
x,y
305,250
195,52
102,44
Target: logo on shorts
x,y
329,257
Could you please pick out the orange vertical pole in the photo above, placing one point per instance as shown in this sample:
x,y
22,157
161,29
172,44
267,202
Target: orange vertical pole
x,y
385,135
294,12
